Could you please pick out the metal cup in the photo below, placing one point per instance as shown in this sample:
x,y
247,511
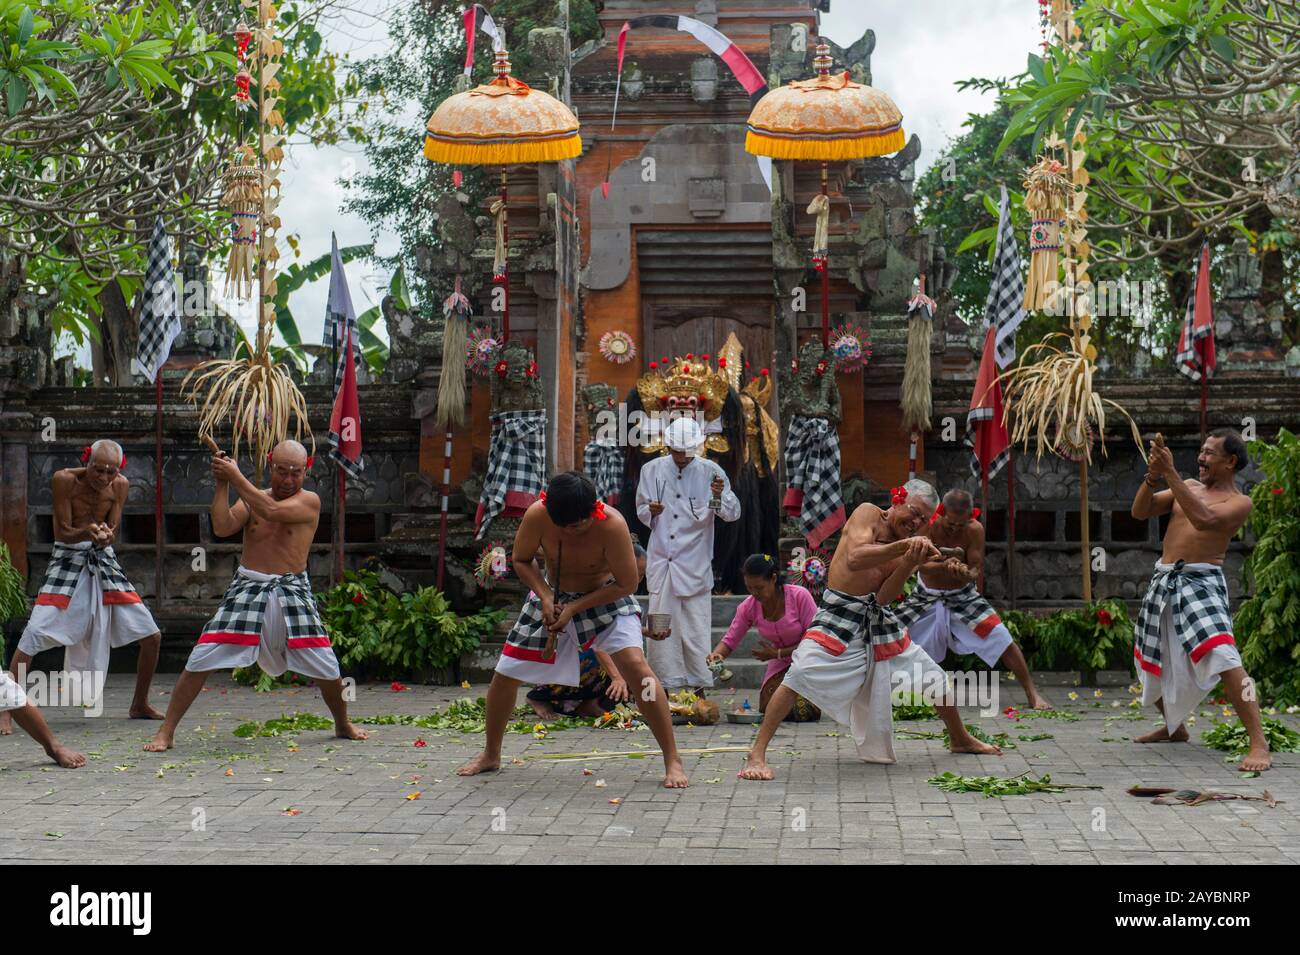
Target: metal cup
x,y
661,623
715,503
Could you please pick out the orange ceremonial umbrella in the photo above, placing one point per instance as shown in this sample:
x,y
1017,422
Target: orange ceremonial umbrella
x,y
828,117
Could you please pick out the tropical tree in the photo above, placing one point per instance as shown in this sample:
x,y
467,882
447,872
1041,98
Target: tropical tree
x,y
1192,122
116,111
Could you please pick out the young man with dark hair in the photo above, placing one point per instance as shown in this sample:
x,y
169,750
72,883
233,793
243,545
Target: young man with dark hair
x,y
1184,643
584,602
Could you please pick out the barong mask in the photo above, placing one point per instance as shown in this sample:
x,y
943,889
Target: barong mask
x,y
689,386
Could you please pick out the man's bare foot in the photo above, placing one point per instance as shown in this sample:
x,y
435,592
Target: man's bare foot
x,y
67,758
161,742
6,724
756,768
674,775
145,712
482,763
970,745
348,731
1162,736
1039,702
1256,761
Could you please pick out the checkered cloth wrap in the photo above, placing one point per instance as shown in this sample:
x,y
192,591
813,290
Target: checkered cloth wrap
x,y
160,321
527,638
64,570
1199,614
604,465
967,605
516,463
1005,308
812,467
845,616
242,613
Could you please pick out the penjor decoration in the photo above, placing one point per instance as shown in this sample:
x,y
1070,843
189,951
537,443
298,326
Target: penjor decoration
x,y
827,118
851,348
257,395
501,122
1047,189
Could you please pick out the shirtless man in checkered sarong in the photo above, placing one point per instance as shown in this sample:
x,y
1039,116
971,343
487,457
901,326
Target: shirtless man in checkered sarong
x,y
86,604
584,602
268,615
1184,644
856,655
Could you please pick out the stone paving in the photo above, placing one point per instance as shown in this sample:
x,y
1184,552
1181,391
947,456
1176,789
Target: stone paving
x,y
314,799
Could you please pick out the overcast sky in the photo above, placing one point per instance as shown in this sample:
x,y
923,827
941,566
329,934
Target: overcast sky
x,y
922,48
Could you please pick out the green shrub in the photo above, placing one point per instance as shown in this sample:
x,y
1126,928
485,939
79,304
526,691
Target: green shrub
x,y
13,595
389,635
1266,622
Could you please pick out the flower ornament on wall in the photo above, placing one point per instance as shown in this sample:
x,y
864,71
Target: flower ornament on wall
x,y
851,348
617,347
492,565
480,352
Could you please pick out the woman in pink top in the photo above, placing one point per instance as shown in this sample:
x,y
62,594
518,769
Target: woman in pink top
x,y
781,612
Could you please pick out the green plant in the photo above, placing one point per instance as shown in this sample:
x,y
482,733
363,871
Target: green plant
x,y
998,786
1232,738
13,596
390,635
1266,622
284,725
1096,637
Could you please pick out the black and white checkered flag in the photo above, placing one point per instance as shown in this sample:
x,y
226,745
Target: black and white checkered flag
x,y
1005,308
160,320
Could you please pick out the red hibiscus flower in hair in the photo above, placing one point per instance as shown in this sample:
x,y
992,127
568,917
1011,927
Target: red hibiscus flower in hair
x,y
1103,617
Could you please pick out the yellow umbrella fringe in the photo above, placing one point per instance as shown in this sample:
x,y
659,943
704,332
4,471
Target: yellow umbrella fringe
x,y
499,154
850,147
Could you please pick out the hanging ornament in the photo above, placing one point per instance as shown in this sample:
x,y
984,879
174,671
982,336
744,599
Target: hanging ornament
x,y
1074,443
241,98
1047,186
810,568
851,348
617,347
243,37
480,352
241,195
492,565
455,339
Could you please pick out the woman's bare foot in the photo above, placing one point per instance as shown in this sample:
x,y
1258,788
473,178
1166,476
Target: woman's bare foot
x,y
1039,702
482,763
1256,761
67,758
145,712
161,742
348,731
674,775
1162,736
6,724
970,745
756,768
544,713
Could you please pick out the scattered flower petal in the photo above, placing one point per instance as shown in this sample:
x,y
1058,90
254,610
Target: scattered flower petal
x,y
414,795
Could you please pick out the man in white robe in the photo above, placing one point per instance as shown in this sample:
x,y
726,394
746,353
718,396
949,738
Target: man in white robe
x,y
674,498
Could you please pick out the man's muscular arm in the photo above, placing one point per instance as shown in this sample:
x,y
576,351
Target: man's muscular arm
x,y
865,552
528,541
114,519
917,550
302,508
1148,502
1221,517
62,486
226,520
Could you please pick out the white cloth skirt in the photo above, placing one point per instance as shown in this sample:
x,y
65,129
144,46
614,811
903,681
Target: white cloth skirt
x,y
565,667
272,652
12,696
1182,684
86,627
681,660
857,691
937,631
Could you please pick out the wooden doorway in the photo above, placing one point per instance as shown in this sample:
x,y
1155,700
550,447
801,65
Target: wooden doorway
x,y
701,326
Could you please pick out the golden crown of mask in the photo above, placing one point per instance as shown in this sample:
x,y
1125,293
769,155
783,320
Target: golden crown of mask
x,y
689,384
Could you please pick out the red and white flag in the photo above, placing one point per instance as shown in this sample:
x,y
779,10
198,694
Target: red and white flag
x,y
341,333
986,431
1195,357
